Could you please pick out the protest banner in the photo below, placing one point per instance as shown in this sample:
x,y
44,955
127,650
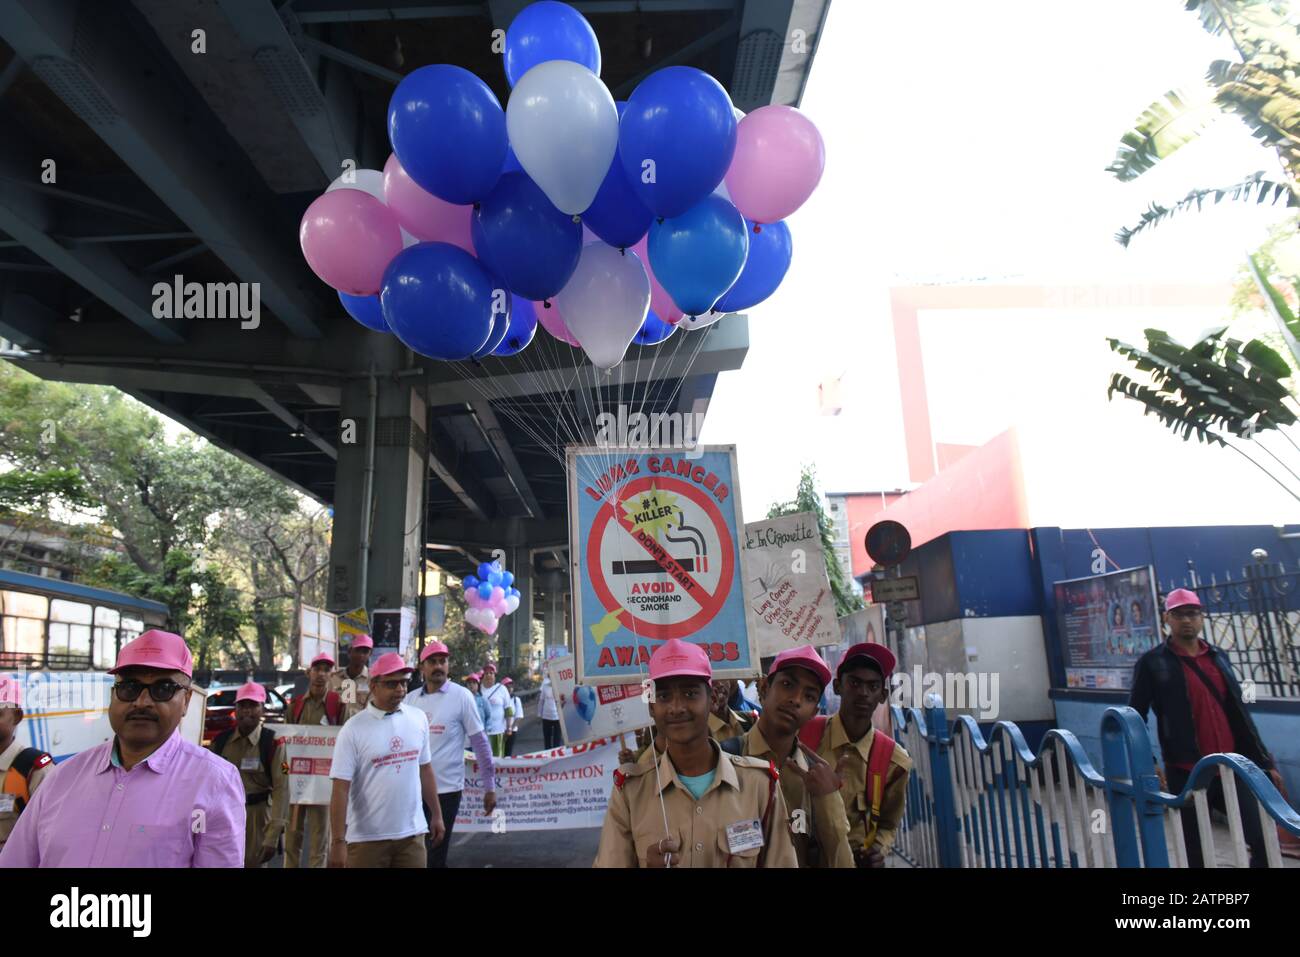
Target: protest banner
x,y
788,601
553,790
588,712
308,749
654,538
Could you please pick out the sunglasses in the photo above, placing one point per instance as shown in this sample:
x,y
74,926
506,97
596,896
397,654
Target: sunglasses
x,y
392,684
129,690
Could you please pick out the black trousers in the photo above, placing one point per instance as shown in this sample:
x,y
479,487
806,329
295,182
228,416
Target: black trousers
x,y
450,804
1249,807
551,733
510,744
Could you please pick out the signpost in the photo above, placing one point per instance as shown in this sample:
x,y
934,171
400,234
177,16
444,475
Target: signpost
x,y
896,589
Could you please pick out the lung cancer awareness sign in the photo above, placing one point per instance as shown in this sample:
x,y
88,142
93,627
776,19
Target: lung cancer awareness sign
x,y
787,590
654,539
309,750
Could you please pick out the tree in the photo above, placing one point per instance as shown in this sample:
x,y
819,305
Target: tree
x,y
1260,90
808,499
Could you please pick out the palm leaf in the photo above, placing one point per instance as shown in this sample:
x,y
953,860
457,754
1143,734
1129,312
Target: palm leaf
x,y
1253,188
1164,127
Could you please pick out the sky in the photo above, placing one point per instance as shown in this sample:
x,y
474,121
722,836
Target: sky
x,y
967,143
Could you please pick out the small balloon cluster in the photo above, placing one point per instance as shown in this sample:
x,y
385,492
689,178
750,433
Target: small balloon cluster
x,y
490,596
635,218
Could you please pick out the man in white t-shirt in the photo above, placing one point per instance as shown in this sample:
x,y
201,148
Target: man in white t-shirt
x,y
381,770
516,719
549,712
500,709
453,721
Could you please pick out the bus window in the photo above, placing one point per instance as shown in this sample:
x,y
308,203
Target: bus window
x,y
131,628
107,621
70,629
24,623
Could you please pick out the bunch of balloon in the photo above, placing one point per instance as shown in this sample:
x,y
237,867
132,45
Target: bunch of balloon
x,y
491,596
606,223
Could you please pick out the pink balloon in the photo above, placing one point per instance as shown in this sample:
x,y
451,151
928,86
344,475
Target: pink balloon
x,y
660,301
348,238
490,625
424,215
498,594
499,608
778,163
473,598
553,323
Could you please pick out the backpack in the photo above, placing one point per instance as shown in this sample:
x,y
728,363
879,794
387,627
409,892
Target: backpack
x,y
333,707
265,746
882,750
27,761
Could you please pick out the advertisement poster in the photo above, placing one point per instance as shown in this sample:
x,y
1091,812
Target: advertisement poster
x,y
354,622
1106,623
308,748
655,543
563,788
788,601
393,628
588,712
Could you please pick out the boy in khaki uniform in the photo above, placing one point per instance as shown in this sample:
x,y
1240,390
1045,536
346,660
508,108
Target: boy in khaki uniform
x,y
309,823
722,810
352,681
790,695
725,723
266,789
874,807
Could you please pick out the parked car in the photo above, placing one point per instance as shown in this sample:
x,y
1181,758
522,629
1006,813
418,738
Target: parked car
x,y
221,709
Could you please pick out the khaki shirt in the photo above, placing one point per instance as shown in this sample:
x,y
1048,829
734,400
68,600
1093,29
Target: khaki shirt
x,y
244,754
353,691
733,727
9,815
824,815
634,821
835,742
313,710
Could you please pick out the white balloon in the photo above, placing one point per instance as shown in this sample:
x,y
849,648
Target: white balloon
x,y
700,322
370,181
563,126
512,604
367,180
605,302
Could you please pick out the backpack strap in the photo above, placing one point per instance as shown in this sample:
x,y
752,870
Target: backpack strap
x,y
266,745
811,734
772,778
29,760
296,708
882,751
333,707
220,741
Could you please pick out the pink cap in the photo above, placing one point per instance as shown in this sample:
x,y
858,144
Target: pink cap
x,y
1180,597
882,656
434,648
677,657
155,649
389,663
323,656
804,658
363,641
11,695
507,681
250,692
489,667
474,676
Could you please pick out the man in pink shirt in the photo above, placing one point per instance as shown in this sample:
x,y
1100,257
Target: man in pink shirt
x,y
148,798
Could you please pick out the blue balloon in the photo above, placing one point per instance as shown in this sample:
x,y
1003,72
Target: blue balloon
x,y
470,581
523,239
770,250
507,579
653,331
523,326
512,164
485,590
584,697
484,570
681,119
500,328
514,591
699,256
365,310
449,132
438,298
617,215
495,577
549,31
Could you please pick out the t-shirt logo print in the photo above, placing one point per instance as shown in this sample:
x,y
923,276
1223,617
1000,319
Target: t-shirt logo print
x,y
395,744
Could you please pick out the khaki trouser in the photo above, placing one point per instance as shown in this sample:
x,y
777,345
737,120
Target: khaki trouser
x,y
256,817
401,852
315,818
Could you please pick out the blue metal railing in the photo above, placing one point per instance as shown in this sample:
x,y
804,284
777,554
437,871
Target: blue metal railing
x,y
973,802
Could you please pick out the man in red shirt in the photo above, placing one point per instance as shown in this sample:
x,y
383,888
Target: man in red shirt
x,y
1199,711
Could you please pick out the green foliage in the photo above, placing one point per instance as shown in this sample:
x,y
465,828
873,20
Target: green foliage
x,y
1261,90
808,499
21,490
